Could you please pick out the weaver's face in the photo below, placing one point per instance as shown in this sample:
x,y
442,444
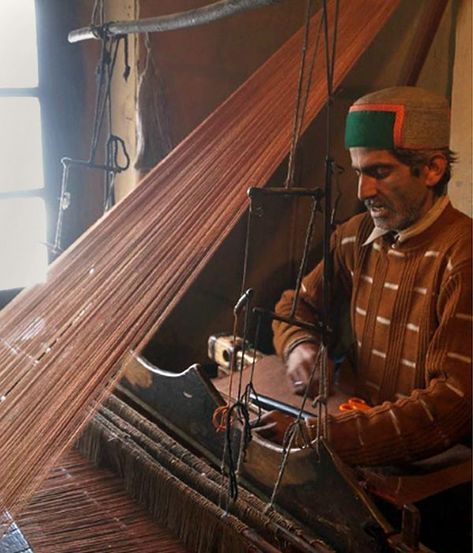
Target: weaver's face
x,y
394,197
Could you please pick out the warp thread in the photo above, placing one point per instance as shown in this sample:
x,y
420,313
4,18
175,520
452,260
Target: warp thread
x,y
62,343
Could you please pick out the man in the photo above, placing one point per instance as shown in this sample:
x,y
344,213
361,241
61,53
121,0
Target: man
x,y
405,267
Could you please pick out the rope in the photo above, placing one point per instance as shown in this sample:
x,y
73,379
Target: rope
x,y
242,403
300,105
114,145
98,14
237,411
328,214
297,430
305,255
293,431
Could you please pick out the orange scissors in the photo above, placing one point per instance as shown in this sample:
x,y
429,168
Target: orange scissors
x,y
354,404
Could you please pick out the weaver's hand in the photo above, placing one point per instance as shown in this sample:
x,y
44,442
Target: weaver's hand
x,y
300,364
273,425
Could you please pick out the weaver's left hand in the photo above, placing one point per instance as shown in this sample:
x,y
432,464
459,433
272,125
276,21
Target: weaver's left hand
x,y
273,426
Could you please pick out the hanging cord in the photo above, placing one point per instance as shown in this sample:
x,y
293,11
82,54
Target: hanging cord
x,y
105,71
321,400
115,148
243,398
250,389
297,430
239,412
329,66
239,408
305,255
218,417
104,59
246,253
305,41
301,97
101,95
296,133
300,107
98,14
115,145
241,405
97,19
294,431
224,416
298,119
337,170
328,269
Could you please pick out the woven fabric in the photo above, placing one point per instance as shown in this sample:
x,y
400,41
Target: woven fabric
x,y
419,120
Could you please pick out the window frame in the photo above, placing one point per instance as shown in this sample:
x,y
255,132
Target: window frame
x,y
6,294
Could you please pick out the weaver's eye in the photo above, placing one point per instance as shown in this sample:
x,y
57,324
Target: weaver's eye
x,y
379,172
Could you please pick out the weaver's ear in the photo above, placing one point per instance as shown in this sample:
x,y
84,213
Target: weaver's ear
x,y
435,169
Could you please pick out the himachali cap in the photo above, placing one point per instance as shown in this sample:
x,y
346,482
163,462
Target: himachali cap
x,y
404,117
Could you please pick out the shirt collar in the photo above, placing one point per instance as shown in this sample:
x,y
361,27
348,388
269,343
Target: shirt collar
x,y
417,228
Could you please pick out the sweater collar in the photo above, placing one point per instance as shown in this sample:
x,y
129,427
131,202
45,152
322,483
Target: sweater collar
x,y
417,228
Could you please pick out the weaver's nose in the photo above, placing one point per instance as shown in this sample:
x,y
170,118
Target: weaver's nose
x,y
366,187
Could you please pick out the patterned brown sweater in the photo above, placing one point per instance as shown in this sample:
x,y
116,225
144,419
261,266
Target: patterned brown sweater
x,y
411,315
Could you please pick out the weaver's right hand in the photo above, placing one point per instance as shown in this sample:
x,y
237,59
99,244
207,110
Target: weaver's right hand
x,y
300,363
273,425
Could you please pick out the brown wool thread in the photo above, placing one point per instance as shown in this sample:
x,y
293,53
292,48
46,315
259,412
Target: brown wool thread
x,y
62,342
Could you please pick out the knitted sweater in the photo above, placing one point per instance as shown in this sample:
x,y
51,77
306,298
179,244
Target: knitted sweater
x,y
411,316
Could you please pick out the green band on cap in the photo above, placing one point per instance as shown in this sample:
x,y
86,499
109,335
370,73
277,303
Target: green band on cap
x,y
370,129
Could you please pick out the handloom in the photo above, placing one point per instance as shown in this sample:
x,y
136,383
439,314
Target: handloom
x,y
179,489
176,488
62,342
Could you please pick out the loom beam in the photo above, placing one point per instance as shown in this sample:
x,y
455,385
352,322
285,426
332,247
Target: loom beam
x,y
192,18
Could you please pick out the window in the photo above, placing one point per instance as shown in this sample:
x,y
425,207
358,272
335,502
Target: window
x,y
23,252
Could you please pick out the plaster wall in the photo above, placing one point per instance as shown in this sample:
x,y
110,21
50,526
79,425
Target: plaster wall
x,y
460,188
